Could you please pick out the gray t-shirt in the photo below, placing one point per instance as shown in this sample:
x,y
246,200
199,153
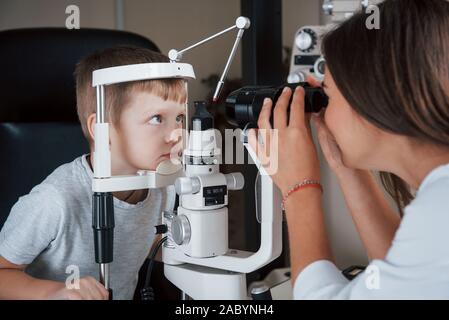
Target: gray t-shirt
x,y
50,229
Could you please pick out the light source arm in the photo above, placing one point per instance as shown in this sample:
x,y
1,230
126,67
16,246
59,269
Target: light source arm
x,y
241,23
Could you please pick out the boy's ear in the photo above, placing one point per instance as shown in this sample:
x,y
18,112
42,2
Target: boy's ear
x,y
91,119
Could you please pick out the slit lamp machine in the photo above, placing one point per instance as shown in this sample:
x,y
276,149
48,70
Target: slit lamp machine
x,y
196,255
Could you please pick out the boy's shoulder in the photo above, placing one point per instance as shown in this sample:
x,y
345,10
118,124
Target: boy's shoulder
x,y
38,217
64,183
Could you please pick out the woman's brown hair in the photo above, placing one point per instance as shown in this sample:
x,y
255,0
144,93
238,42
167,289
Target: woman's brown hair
x,y
397,76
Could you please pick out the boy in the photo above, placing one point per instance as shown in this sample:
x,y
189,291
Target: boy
x,y
48,235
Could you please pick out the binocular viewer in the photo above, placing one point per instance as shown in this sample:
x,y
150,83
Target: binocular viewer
x,y
243,105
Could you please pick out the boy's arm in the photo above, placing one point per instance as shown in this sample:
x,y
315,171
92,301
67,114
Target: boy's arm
x,y
32,225
15,284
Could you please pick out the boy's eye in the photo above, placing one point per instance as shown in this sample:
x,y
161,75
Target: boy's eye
x,y
180,118
157,119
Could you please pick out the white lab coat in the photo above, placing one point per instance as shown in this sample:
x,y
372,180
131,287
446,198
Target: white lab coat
x,y
416,265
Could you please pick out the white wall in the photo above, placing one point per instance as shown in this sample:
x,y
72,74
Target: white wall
x,y
51,13
177,24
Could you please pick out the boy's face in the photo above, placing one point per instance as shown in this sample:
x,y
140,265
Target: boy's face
x,y
146,134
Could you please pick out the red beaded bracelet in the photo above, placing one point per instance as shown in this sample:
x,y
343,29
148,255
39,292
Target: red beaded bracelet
x,y
304,184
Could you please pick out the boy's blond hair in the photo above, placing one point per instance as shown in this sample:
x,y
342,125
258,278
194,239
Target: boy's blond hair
x,y
117,95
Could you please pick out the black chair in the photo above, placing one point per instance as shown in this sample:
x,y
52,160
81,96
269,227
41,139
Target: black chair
x,y
39,127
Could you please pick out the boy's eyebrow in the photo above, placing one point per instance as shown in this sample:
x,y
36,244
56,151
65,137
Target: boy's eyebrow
x,y
158,109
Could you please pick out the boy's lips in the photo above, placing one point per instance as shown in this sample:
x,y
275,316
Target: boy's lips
x,y
166,156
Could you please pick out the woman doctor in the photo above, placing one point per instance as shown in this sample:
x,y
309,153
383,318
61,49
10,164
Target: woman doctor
x,y
388,111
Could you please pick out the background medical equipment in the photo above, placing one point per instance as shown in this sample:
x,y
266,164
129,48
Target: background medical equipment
x,y
306,49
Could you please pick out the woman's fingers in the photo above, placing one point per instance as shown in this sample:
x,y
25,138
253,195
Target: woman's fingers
x,y
265,113
329,146
321,133
259,140
280,111
297,114
313,81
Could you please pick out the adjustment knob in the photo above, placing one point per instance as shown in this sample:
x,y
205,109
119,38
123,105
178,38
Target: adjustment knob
x,y
235,181
180,230
296,77
306,40
187,185
320,68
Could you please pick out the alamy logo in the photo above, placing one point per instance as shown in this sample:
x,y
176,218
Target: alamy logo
x,y
373,21
73,20
372,280
73,280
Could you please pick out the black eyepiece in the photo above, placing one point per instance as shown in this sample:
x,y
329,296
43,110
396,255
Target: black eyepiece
x,y
243,105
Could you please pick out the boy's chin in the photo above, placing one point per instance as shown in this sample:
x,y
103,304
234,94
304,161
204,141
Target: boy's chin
x,y
153,165
168,161
147,166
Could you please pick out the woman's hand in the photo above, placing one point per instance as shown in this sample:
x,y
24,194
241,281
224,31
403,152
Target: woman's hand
x,y
328,144
287,150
